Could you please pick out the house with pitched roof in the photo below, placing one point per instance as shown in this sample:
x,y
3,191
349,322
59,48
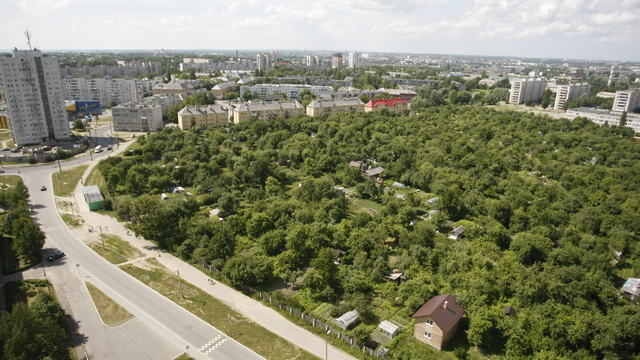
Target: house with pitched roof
x,y
437,320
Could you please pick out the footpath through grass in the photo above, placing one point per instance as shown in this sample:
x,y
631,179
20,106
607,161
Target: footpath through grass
x,y
216,313
66,181
116,250
109,310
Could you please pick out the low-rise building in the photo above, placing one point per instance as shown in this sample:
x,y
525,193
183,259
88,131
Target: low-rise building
x,y
137,117
291,91
393,105
174,87
403,94
437,320
331,107
202,116
602,117
220,90
267,110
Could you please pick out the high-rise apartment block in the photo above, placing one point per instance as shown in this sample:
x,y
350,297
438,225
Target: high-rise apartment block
x,y
523,90
565,93
315,61
626,100
354,60
35,97
336,61
264,62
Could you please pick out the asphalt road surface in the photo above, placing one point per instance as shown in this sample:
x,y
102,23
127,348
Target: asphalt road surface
x,y
182,328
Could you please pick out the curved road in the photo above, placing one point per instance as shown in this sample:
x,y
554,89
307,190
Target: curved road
x,y
184,329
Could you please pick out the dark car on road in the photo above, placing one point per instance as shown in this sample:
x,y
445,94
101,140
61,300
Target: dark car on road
x,y
43,188
54,256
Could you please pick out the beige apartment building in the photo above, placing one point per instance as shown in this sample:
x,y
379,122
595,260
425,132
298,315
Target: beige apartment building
x,y
265,111
331,107
393,105
202,116
626,100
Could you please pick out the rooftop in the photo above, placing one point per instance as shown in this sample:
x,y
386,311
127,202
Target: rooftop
x,y
444,310
388,102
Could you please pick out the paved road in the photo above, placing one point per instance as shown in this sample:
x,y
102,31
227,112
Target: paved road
x,y
170,320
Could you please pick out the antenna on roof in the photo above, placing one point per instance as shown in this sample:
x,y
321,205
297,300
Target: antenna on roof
x,y
28,35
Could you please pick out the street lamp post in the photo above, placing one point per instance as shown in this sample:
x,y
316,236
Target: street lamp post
x,y
326,345
179,282
101,237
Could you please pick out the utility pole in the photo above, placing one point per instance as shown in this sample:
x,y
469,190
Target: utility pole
x,y
179,282
59,166
101,237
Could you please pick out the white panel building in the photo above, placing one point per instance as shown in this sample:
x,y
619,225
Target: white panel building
x,y
34,96
523,90
292,91
354,60
567,92
106,90
626,100
137,117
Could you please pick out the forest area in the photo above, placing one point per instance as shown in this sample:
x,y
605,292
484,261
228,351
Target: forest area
x,y
551,210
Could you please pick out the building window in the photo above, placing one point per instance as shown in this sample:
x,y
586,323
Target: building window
x,y
427,335
429,322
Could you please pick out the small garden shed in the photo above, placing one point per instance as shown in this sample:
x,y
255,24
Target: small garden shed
x,y
93,196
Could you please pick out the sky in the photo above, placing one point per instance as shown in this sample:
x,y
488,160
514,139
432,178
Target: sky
x,y
572,29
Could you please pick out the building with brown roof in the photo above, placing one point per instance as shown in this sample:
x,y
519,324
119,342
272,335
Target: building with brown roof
x,y
437,320
266,111
393,105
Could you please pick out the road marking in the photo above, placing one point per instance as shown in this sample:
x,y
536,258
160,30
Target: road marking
x,y
213,344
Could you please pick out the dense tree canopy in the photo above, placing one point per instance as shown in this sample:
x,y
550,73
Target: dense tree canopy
x,y
546,203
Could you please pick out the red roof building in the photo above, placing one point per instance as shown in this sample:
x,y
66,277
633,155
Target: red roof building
x,y
437,320
393,105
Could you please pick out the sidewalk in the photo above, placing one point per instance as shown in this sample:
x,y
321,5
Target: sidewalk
x,y
252,309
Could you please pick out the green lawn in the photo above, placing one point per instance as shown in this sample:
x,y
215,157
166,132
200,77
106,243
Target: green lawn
x,y
116,250
216,313
10,180
110,311
64,183
95,178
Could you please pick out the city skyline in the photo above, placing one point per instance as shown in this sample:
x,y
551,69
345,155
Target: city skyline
x,y
593,30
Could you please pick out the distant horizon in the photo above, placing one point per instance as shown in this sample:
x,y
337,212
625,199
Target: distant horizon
x,y
310,52
605,30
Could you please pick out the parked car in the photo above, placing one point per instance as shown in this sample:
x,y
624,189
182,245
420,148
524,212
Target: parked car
x,y
43,188
6,149
1,171
54,256
108,147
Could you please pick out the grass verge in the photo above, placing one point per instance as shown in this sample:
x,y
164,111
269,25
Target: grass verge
x,y
109,310
10,180
184,357
95,178
65,182
116,250
216,313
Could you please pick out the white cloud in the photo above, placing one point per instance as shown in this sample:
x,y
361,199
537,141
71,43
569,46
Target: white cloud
x,y
43,7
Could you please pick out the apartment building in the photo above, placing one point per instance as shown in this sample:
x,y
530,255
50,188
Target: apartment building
x,y
264,61
266,111
314,61
331,107
394,105
210,66
336,61
528,89
107,90
34,94
602,117
176,87
567,92
626,100
292,91
220,90
128,69
405,95
354,60
202,116
137,117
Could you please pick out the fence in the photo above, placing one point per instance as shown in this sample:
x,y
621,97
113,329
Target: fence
x,y
315,322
